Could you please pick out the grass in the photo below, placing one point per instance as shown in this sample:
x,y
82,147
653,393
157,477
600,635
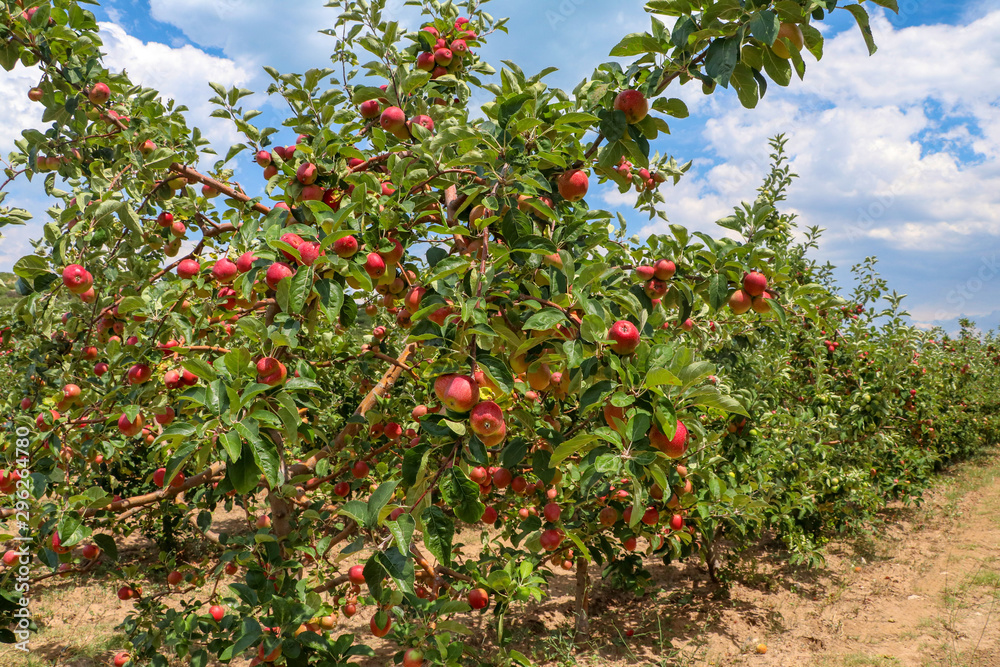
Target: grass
x,y
860,660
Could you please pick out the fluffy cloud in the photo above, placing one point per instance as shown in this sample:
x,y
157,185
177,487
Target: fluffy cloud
x,y
181,73
897,153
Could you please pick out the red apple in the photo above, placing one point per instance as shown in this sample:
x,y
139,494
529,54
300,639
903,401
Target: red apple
x,y
276,273
458,393
188,268
754,283
740,302
625,336
77,279
573,185
674,447
128,428
634,104
346,247
478,598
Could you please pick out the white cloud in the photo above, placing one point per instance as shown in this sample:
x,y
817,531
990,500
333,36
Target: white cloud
x,y
18,112
899,151
181,73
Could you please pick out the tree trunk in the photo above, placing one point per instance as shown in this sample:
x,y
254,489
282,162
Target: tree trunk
x,y
582,600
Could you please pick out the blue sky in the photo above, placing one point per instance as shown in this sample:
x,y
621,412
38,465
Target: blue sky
x,y
898,154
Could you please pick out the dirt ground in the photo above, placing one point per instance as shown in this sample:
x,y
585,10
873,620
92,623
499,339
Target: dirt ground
x,y
925,592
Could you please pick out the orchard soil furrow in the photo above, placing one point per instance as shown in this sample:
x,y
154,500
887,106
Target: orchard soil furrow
x,y
924,590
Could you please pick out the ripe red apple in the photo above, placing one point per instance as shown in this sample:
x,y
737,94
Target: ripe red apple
x,y
91,551
380,631
625,336
754,283
121,658
139,373
552,512
687,324
77,279
674,447
345,247
263,521
479,598
551,538
573,185
676,522
423,121
35,94
608,516
664,269
225,270
276,273
309,252
655,289
307,173
489,515
130,429
458,393
356,575
413,658
374,265
740,302
369,109
164,418
486,419
271,372
188,268
174,578
393,121
760,305
634,104
425,61
217,612
360,470
245,261
99,94
502,478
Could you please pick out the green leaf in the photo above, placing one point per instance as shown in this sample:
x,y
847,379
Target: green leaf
x,y
244,474
661,376
107,545
377,501
232,444
30,266
712,398
721,58
356,510
549,318
579,444
462,494
201,368
263,451
861,16
497,371
402,531
635,44
439,531
764,26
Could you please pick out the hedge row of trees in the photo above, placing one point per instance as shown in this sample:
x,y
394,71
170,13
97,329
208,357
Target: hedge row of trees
x,y
421,328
